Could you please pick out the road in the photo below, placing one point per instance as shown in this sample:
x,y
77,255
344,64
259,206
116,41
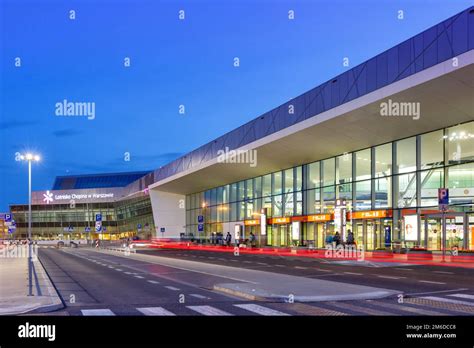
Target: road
x,y
95,283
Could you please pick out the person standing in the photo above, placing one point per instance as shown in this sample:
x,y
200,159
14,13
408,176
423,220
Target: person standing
x,y
337,238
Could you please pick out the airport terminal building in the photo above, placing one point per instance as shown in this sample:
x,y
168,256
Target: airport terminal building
x,y
71,208
365,151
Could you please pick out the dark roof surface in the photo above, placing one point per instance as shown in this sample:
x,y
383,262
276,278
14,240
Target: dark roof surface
x,y
90,181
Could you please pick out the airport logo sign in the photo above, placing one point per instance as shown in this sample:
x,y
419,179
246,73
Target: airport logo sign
x,y
48,197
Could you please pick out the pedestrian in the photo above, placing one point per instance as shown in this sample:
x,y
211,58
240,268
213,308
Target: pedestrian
x,y
337,238
350,237
252,240
228,239
329,240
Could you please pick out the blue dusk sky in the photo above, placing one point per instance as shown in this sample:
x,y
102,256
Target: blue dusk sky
x,y
173,62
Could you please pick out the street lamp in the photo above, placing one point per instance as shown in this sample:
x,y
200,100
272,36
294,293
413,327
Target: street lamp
x,y
30,158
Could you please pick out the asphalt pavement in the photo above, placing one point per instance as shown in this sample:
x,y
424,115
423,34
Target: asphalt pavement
x,y
97,283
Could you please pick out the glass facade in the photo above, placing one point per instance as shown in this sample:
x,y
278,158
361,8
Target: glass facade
x,y
401,177
121,219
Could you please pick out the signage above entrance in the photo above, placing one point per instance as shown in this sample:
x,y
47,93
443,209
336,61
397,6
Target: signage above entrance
x,y
371,214
281,220
251,222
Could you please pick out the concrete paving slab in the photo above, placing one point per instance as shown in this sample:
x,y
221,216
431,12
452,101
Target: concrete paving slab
x,y
14,297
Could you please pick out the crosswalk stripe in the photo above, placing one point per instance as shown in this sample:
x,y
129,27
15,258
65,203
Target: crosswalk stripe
x,y
352,273
471,297
139,277
443,272
300,267
443,299
208,310
94,312
259,309
153,282
155,311
172,288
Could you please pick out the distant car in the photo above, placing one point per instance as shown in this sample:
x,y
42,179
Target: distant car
x,y
60,244
73,244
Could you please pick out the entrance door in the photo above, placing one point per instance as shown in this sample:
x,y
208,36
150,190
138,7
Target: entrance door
x,y
359,232
371,228
456,225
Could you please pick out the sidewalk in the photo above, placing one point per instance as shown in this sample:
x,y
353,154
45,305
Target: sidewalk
x,y
14,297
261,285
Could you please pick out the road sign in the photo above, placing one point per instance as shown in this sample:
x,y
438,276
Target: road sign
x,y
200,219
8,217
443,199
98,222
87,229
200,227
162,230
139,227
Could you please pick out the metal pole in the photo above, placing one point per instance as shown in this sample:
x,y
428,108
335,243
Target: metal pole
x,y
443,247
30,280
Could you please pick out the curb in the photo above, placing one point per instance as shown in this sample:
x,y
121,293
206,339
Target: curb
x,y
241,294
282,298
53,294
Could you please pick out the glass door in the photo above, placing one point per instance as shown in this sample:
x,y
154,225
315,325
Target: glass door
x,y
434,227
370,234
358,232
454,231
283,231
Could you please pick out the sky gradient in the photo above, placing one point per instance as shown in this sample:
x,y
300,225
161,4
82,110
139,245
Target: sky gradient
x,y
173,62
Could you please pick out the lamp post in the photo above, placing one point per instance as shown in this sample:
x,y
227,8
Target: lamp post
x,y
30,158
